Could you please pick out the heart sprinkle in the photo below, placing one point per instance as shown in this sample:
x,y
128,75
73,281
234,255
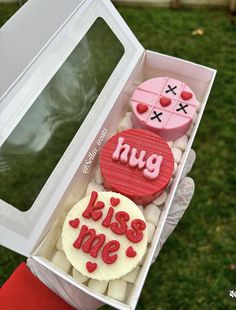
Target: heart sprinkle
x,y
142,108
165,101
114,201
91,266
130,252
74,223
186,95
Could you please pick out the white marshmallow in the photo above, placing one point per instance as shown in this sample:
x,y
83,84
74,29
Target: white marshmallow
x,y
117,289
132,275
52,237
198,105
175,169
141,262
170,143
93,187
152,213
181,143
188,133
98,286
59,245
98,177
177,153
61,218
194,117
161,199
79,276
61,261
126,123
150,231
46,251
170,183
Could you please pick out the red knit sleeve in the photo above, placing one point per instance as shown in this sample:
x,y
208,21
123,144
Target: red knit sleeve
x,y
23,291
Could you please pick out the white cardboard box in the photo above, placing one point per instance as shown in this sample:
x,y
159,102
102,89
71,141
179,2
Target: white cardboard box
x,y
43,48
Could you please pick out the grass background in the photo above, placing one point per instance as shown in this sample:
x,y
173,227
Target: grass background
x,y
198,263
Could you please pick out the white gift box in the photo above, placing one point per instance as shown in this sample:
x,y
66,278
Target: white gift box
x,y
47,52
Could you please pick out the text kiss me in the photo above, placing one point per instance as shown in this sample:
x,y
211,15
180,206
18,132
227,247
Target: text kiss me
x,y
90,242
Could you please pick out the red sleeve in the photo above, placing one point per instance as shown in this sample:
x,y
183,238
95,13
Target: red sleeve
x,y
23,291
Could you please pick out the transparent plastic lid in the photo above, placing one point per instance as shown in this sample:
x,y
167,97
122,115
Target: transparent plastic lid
x,y
77,63
35,146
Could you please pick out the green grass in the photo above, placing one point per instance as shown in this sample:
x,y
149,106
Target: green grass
x,y
193,270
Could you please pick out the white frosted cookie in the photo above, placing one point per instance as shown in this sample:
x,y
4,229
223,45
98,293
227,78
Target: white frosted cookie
x,y
104,236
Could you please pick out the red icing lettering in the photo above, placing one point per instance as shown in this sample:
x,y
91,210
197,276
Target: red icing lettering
x,y
107,220
92,210
110,247
92,244
120,228
114,201
74,223
136,235
91,266
130,252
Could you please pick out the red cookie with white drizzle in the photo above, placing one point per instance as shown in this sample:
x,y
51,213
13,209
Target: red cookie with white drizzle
x,y
104,236
138,164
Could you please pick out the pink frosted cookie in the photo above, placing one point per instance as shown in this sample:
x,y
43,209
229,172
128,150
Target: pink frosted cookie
x,y
165,106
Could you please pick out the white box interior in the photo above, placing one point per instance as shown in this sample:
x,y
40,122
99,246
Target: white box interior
x,y
152,64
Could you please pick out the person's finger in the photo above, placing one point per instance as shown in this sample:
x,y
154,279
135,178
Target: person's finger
x,y
180,203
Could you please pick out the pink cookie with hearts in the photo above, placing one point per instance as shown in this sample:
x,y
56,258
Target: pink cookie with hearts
x,y
165,106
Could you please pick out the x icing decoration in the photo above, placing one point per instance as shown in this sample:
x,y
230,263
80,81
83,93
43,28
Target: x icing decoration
x,y
104,236
138,164
169,107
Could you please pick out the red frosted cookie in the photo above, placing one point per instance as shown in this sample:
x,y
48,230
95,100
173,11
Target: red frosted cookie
x,y
138,164
165,106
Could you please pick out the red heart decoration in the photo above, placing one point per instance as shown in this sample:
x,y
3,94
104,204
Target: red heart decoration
x,y
114,201
165,101
185,95
91,266
130,252
142,108
74,223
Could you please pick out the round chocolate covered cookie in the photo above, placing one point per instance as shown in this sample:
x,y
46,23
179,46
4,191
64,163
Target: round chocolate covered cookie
x,y
104,236
165,106
138,164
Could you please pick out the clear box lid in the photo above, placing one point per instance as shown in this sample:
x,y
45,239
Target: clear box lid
x,y
63,63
